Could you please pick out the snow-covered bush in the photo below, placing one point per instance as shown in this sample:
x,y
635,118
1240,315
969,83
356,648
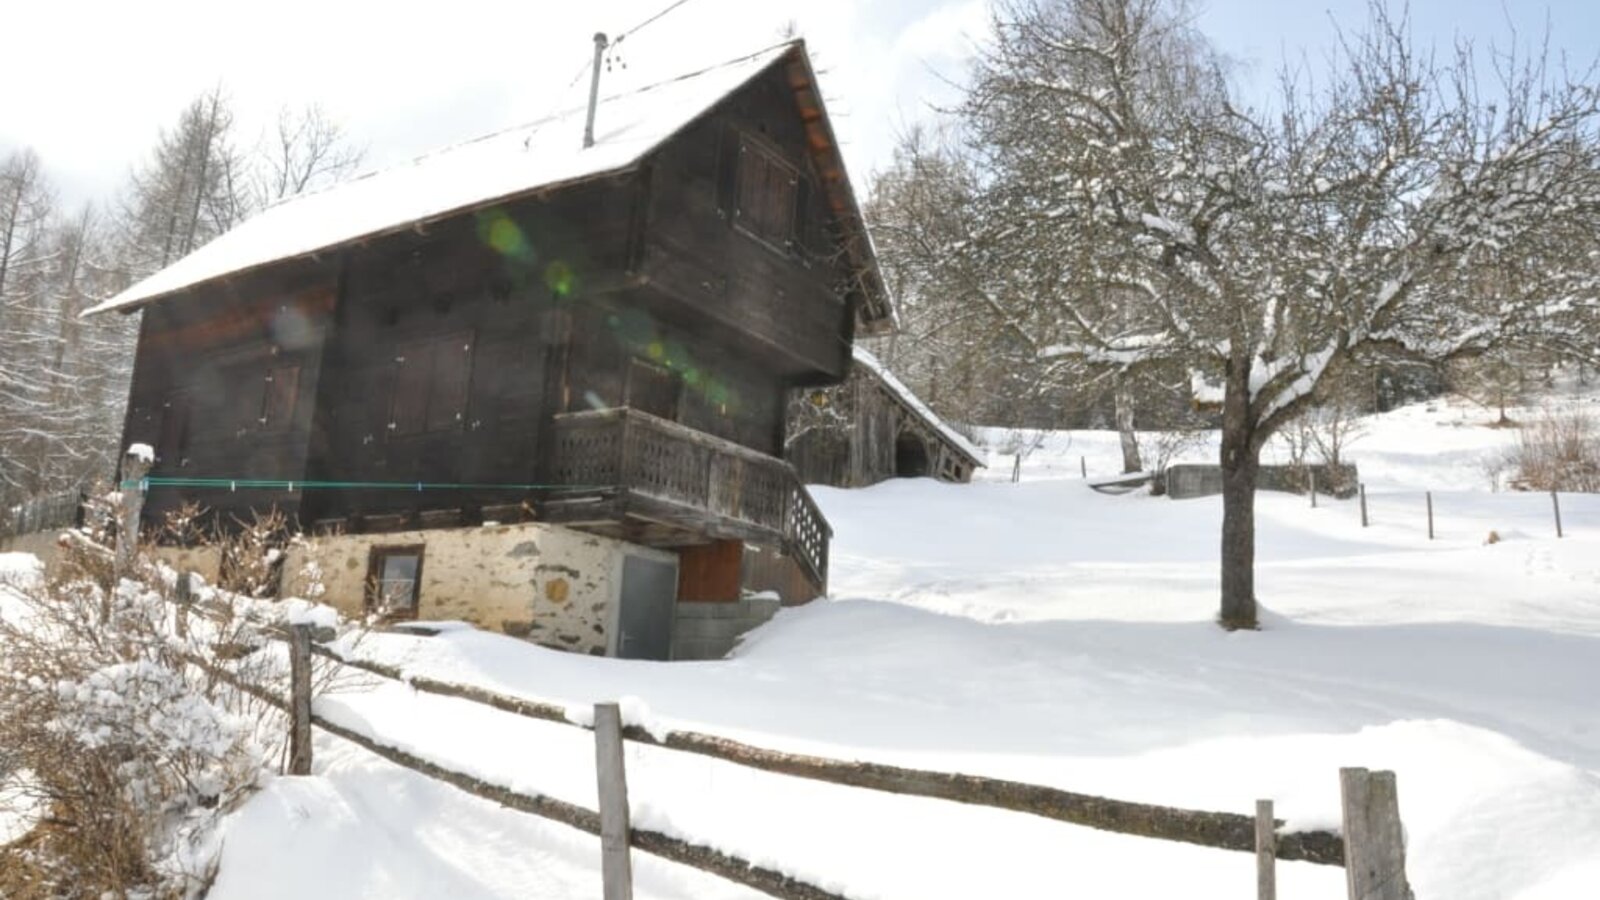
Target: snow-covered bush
x,y
134,745
1559,451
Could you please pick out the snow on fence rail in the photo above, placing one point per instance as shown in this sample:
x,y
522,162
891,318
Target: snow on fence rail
x,y
1370,849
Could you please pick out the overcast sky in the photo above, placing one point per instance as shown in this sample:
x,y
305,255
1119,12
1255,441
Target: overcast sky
x,y
89,84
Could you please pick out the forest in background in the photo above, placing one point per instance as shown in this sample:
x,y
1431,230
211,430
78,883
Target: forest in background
x,y
63,378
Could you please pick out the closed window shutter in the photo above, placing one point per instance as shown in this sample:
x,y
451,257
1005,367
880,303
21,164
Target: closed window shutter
x,y
174,435
766,195
452,371
278,400
408,408
431,382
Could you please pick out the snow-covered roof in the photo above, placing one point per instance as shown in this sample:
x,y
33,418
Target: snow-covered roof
x,y
912,402
539,154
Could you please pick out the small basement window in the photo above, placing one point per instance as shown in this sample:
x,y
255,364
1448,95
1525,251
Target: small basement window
x,y
394,580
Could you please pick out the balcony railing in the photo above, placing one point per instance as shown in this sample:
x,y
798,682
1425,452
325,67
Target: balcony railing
x,y
729,489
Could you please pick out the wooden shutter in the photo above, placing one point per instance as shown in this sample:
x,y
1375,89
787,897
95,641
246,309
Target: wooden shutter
x,y
174,436
447,391
766,194
278,399
408,403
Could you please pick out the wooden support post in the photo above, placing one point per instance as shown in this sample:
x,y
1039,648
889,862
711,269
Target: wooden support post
x,y
300,700
615,867
1555,501
1016,468
135,466
184,597
1083,466
1363,489
1311,474
1374,844
1430,514
1266,852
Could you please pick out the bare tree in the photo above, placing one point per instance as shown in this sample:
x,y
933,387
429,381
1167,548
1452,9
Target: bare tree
x,y
190,191
1269,253
306,151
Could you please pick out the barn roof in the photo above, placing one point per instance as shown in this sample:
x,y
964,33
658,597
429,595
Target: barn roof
x,y
538,155
915,406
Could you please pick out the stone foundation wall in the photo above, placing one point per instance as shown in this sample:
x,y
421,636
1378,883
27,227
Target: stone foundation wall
x,y
552,585
203,561
709,630
41,544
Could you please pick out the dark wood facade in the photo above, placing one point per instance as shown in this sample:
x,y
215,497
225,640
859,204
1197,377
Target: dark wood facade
x,y
613,354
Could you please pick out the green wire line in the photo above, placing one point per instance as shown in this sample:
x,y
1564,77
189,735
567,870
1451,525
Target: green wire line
x,y
234,484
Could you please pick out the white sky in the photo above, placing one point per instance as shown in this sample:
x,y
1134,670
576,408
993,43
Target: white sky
x,y
88,83
92,83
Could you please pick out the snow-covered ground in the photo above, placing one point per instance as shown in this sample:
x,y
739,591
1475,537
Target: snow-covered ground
x,y
1048,633
18,812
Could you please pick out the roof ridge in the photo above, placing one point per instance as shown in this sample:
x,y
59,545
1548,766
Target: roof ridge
x,y
531,124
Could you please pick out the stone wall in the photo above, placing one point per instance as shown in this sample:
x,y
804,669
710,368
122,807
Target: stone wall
x,y
41,544
552,585
1205,480
709,630
205,561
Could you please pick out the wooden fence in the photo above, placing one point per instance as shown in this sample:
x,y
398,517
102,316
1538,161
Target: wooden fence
x,y
1370,850
59,510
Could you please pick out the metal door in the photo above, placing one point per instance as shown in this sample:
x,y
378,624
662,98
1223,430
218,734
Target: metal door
x,y
649,593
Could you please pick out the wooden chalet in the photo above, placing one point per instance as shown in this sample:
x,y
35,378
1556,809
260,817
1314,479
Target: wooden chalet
x,y
522,329
872,428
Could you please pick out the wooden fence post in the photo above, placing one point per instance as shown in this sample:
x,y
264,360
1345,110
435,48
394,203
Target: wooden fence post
x,y
135,466
1083,466
1555,501
300,700
1312,475
1430,514
184,597
1363,489
1266,852
1016,468
615,867
1374,843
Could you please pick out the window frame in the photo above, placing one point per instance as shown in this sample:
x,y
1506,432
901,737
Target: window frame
x,y
427,351
265,421
377,555
174,429
749,146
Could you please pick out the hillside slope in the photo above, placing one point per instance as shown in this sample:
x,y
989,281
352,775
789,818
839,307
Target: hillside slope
x,y
1044,632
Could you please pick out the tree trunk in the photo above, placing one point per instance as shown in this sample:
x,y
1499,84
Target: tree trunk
x,y
1130,442
1241,463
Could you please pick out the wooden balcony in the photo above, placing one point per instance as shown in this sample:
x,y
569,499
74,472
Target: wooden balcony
x,y
645,479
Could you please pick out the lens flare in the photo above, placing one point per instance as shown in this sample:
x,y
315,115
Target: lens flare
x,y
559,278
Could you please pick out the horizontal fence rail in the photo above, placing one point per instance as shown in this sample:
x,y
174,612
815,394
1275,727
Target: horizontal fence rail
x,y
1218,830
697,856
1375,846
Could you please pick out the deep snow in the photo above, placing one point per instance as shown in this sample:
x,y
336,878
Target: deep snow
x,y
1044,632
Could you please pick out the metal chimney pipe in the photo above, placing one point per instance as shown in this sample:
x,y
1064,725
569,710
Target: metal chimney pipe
x,y
594,88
